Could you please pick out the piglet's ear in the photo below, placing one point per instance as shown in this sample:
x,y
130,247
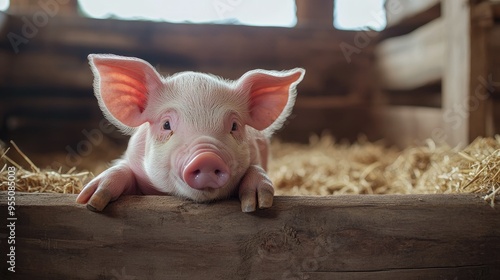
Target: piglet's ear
x,y
271,96
122,86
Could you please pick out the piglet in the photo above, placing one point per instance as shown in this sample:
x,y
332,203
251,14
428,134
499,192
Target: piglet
x,y
194,135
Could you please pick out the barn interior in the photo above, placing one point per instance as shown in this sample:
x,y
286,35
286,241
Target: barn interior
x,y
400,98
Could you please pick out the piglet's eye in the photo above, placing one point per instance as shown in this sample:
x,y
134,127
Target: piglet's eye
x,y
166,126
234,127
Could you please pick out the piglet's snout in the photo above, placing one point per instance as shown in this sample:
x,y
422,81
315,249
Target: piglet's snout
x,y
206,170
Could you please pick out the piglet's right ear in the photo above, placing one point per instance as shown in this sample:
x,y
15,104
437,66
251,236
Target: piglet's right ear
x,y
122,86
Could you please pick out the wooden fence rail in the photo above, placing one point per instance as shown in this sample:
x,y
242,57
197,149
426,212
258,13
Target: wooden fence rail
x,y
338,237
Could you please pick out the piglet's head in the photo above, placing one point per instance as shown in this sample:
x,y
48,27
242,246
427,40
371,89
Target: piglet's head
x,y
199,128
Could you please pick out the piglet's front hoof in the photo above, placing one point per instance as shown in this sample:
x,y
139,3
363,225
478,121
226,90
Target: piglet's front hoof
x,y
106,187
256,189
99,200
264,196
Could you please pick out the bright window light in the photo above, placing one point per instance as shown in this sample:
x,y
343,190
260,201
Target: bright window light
x,y
254,12
359,15
4,5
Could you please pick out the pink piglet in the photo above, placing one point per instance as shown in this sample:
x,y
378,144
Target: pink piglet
x,y
194,135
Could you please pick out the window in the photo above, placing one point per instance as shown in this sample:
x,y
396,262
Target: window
x,y
254,12
359,15
4,5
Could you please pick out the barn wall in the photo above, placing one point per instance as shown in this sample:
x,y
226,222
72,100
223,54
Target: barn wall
x,y
45,81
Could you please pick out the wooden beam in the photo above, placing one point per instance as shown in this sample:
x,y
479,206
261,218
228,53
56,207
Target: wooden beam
x,y
338,237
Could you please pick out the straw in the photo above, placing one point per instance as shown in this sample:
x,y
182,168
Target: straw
x,y
325,167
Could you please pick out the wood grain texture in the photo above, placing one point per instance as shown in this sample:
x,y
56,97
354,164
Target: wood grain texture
x,y
339,237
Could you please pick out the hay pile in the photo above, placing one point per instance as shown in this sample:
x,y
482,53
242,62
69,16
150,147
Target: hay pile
x,y
325,167
36,180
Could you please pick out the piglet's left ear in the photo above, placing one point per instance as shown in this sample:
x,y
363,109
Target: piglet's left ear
x,y
271,96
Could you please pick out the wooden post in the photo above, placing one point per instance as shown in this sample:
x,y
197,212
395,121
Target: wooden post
x,y
480,98
315,13
466,102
